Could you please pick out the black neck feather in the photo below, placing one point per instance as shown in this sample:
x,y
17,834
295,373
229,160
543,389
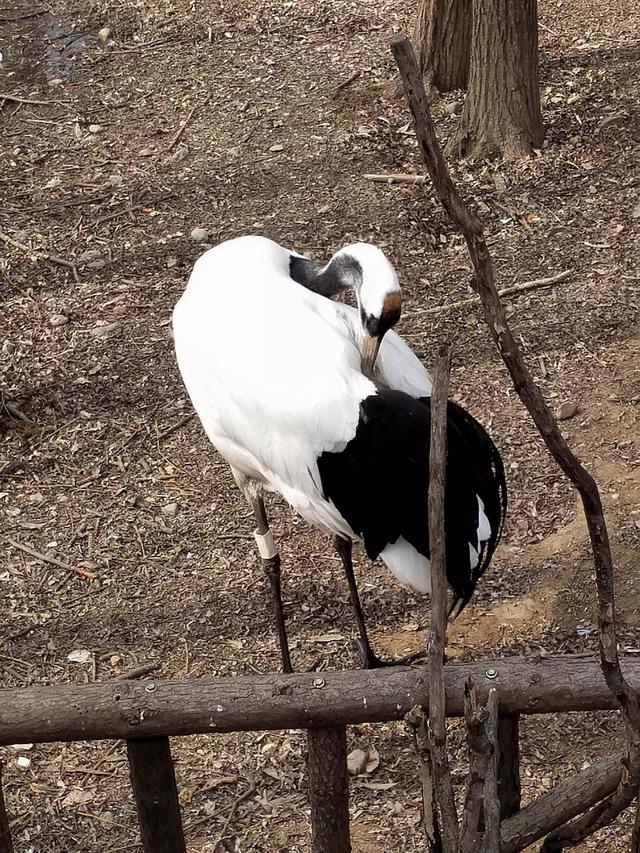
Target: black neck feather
x,y
343,272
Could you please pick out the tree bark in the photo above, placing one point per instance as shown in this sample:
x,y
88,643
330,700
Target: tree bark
x,y
443,35
501,115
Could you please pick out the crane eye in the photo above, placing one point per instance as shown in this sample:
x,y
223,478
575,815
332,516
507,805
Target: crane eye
x,y
372,325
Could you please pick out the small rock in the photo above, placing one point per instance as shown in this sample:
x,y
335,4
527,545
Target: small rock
x,y
179,155
636,212
146,152
115,180
104,34
357,762
23,761
233,152
106,330
54,82
58,320
277,147
169,509
567,410
95,129
172,262
199,235
454,108
92,259
89,255
53,183
8,347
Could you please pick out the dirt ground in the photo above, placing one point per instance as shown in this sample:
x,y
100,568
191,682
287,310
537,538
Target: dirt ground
x,y
103,468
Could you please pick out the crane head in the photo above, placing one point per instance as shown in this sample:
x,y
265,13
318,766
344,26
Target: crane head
x,y
375,283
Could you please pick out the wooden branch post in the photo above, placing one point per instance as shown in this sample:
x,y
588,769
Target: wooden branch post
x,y
6,845
154,787
437,475
491,801
329,790
509,764
471,228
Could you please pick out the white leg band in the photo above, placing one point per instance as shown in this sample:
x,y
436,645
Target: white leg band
x,y
266,548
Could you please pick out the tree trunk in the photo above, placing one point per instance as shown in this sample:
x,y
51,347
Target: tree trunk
x,y
501,114
442,35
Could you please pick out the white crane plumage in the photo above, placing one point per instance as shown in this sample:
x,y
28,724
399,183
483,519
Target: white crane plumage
x,y
283,381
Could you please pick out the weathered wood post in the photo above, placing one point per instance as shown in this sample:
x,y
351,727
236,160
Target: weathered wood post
x,y
156,794
329,790
509,764
6,845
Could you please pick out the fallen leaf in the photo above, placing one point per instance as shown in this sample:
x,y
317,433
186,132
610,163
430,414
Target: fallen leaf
x,y
79,656
77,797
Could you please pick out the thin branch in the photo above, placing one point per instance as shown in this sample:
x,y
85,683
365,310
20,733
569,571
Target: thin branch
x,y
437,474
530,394
416,722
45,558
138,671
238,800
505,291
184,124
11,20
346,83
396,178
16,99
45,256
178,425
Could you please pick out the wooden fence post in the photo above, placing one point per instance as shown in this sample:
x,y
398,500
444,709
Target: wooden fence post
x,y
509,764
329,790
156,794
6,846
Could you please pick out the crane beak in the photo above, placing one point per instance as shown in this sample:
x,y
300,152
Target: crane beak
x,y
369,352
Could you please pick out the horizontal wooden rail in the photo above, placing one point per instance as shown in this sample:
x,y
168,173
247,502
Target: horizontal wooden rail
x,y
123,709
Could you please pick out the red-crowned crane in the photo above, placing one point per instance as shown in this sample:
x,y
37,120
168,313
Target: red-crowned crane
x,y
326,405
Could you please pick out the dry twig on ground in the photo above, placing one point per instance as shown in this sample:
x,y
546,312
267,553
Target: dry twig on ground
x,y
514,290
36,253
54,561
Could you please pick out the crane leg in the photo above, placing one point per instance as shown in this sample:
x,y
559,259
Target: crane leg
x,y
270,559
368,658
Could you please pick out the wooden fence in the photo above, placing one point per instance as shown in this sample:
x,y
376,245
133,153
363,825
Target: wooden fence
x,y
146,713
